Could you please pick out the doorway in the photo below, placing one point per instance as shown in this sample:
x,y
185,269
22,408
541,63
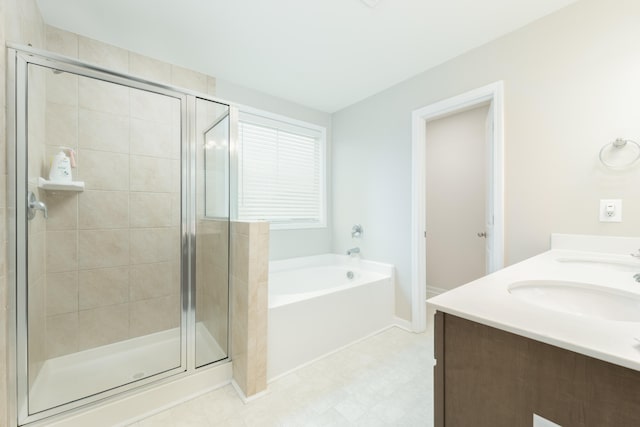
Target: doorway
x,y
487,105
456,195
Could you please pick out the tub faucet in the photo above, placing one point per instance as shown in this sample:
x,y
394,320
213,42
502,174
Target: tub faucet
x,y
353,251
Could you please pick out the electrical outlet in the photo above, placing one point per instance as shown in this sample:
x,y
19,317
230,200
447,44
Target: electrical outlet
x,y
611,210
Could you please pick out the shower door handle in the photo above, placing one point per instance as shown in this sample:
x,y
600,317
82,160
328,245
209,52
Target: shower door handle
x,y
34,205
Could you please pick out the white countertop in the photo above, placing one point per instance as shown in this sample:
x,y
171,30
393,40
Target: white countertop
x,y
488,301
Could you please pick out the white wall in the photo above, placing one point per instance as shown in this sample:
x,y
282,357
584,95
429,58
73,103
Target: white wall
x,y
572,84
288,243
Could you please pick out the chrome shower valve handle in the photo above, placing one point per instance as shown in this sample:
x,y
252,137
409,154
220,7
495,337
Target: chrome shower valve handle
x,y
34,205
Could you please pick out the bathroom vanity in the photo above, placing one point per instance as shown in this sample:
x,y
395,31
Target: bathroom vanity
x,y
557,335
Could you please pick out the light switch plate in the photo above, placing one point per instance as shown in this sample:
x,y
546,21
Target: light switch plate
x,y
605,207
538,421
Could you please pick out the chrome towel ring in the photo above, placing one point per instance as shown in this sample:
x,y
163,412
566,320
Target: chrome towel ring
x,y
612,148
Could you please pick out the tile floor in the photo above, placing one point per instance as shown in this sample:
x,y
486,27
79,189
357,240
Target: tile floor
x,y
385,380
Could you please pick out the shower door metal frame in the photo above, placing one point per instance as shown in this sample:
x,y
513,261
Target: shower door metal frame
x,y
19,58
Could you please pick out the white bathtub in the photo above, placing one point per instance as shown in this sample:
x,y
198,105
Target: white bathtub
x,y
315,309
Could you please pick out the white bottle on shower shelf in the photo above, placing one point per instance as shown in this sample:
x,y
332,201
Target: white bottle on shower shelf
x,y
60,170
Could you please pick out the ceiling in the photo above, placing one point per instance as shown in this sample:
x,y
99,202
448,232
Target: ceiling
x,y
323,54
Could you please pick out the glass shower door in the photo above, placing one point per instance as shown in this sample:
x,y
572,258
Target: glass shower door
x,y
103,289
212,231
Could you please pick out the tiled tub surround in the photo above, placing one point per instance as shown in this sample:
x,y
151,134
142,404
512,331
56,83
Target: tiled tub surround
x,y
249,277
487,300
316,307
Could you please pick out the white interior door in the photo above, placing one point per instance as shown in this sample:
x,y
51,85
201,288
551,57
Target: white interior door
x,y
489,194
421,233
455,196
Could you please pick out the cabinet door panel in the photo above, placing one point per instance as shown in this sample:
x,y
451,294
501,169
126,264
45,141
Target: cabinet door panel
x,y
494,378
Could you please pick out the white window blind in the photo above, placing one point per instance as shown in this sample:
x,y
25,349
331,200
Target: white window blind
x,y
281,172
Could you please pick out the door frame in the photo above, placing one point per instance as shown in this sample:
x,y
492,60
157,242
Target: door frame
x,y
493,93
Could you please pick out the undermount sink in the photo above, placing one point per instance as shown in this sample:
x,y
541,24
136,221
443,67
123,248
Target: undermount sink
x,y
610,264
580,299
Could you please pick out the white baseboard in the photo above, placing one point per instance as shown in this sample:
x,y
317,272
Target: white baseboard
x,y
403,324
243,397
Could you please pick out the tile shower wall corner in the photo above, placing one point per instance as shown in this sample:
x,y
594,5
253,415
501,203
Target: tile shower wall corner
x,y
23,23
249,305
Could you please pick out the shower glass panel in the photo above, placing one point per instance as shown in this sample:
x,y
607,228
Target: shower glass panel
x,y
212,231
104,268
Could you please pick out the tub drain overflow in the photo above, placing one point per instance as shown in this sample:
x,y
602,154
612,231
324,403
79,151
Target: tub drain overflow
x,y
349,274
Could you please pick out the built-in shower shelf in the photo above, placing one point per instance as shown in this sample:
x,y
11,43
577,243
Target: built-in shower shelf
x,y
76,186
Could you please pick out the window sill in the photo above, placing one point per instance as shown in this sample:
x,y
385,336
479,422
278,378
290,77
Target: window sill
x,y
293,226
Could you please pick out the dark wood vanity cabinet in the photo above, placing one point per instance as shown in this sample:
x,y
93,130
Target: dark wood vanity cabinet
x,y
486,377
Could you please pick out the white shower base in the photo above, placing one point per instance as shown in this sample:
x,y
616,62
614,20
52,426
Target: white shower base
x,y
74,376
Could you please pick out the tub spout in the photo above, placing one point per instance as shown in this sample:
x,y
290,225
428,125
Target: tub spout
x,y
353,251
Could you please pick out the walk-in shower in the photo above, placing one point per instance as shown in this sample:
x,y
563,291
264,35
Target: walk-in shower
x,y
125,280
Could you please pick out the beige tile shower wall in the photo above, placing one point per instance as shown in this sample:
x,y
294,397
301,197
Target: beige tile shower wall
x,y
212,285
249,304
115,273
113,258
36,228
112,57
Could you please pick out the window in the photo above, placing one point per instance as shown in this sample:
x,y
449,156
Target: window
x,y
281,172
